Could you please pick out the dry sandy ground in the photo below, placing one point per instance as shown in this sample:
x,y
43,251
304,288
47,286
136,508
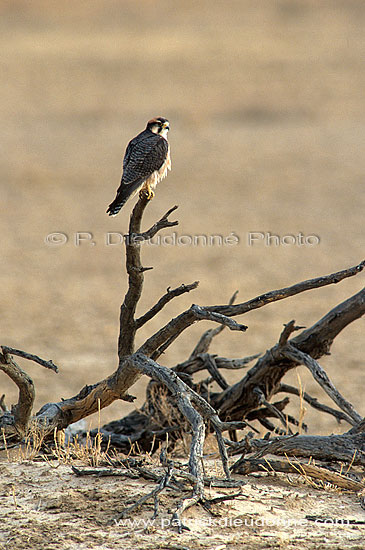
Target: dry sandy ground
x,y
50,508
266,103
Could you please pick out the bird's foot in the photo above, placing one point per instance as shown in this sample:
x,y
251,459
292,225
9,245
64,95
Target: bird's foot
x,y
148,193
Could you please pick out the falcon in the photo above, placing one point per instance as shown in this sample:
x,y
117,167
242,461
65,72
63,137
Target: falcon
x,y
146,162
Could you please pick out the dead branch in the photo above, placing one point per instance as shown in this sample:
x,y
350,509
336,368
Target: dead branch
x,y
264,413
163,483
198,363
271,408
321,377
162,223
346,447
159,342
135,471
155,344
102,394
275,295
15,423
127,324
205,341
289,328
207,337
165,299
251,465
238,400
212,368
234,402
359,428
313,402
48,364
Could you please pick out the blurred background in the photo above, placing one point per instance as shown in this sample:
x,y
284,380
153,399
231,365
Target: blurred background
x,y
266,105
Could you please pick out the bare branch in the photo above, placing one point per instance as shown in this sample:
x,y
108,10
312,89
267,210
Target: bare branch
x,y
250,465
212,368
184,396
206,339
163,483
313,401
22,410
331,448
321,377
275,295
159,342
196,364
235,402
150,233
89,400
165,299
177,325
265,412
238,400
289,328
135,270
31,357
235,364
275,411
358,428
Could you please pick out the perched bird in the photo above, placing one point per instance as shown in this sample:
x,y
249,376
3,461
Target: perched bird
x,y
145,163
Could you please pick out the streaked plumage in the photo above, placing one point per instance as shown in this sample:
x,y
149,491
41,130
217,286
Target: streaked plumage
x,y
146,162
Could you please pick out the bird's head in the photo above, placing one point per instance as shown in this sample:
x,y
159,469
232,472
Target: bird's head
x,y
159,125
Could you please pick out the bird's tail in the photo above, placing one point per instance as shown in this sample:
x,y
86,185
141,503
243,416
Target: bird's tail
x,y
123,193
115,206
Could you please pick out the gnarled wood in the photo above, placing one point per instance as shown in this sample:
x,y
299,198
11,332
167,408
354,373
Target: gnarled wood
x,y
224,410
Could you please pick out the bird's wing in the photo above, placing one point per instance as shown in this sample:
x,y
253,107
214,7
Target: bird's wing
x,y
145,154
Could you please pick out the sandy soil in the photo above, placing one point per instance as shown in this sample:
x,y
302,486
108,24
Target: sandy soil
x,y
48,507
266,103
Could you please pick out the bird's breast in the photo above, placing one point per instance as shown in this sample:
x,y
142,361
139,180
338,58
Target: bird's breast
x,y
162,172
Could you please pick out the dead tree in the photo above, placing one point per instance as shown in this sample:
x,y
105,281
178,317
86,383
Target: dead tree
x,y
229,409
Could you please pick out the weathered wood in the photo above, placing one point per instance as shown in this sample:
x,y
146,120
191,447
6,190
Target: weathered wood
x,y
31,357
267,373
165,299
196,404
332,448
199,362
155,345
282,293
313,402
321,377
134,268
15,423
306,470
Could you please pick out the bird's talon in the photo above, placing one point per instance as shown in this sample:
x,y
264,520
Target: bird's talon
x,y
148,194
